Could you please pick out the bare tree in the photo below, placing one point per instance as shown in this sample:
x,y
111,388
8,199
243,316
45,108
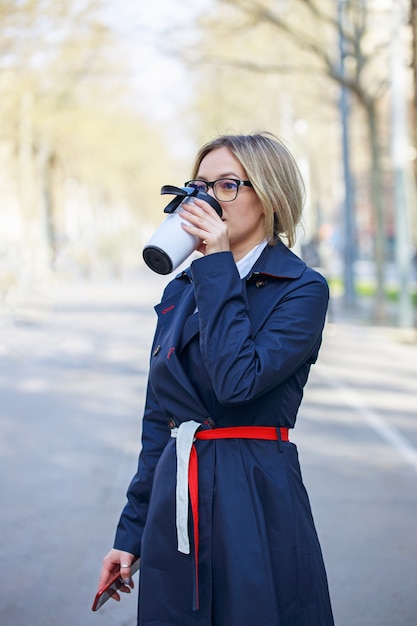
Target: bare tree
x,y
315,28
66,115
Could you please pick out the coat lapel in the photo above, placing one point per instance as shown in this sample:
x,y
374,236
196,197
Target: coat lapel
x,y
170,382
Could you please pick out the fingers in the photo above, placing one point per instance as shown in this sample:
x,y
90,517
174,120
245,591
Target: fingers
x,y
108,571
198,210
125,571
127,587
203,222
125,561
117,562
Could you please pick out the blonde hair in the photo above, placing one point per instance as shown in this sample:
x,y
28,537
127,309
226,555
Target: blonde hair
x,y
275,177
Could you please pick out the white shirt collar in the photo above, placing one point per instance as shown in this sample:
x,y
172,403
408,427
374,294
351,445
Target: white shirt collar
x,y
245,264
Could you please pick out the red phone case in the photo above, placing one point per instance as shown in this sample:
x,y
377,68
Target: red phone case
x,y
110,589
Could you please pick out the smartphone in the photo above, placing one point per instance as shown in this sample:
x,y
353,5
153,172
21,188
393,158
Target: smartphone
x,y
110,589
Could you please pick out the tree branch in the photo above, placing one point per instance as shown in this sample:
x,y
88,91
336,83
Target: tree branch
x,y
300,38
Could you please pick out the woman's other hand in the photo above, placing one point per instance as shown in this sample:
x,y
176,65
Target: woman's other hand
x,y
117,562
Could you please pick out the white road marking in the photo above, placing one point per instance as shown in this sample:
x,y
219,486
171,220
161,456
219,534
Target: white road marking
x,y
386,431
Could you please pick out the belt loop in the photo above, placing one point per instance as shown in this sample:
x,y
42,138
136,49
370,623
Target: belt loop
x,y
279,439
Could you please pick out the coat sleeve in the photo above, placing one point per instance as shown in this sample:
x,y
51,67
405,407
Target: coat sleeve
x,y
241,366
155,435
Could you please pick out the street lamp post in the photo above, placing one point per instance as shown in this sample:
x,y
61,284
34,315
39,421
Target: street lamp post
x,y
348,213
402,179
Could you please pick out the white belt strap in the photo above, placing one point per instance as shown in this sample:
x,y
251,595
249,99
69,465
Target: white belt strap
x,y
185,437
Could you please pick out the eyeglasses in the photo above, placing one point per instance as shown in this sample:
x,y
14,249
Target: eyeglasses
x,y
224,189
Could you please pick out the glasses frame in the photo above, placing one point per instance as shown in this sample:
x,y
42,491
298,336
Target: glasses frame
x,y
208,184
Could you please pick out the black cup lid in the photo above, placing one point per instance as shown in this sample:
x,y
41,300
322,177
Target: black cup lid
x,y
188,192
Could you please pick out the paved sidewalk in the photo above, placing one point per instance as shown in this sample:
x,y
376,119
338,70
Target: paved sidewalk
x,y
73,371
357,439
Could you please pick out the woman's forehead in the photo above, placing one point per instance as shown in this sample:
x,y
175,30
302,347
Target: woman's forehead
x,y
221,162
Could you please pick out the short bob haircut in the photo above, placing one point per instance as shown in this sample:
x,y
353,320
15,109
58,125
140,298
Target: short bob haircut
x,y
275,177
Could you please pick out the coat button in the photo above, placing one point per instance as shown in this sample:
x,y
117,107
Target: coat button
x,y
171,424
157,350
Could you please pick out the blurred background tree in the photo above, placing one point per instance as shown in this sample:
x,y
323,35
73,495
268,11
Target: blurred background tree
x,y
79,181
324,66
83,157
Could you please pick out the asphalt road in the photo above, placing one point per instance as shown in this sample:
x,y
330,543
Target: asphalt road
x,y
72,376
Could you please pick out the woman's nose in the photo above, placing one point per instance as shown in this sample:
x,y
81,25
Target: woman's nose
x,y
210,191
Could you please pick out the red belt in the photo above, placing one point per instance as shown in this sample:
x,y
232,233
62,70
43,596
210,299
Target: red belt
x,y
244,432
232,432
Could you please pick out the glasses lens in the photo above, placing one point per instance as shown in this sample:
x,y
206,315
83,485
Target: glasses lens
x,y
226,189
197,184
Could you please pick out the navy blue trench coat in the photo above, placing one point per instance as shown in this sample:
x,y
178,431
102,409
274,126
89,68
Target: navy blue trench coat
x,y
242,358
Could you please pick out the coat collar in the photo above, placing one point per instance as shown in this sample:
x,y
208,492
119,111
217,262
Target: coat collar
x,y
277,261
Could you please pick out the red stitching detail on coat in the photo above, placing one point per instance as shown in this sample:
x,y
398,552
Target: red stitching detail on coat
x,y
169,308
170,351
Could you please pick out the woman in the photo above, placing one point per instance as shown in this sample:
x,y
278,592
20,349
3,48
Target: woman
x,y
223,525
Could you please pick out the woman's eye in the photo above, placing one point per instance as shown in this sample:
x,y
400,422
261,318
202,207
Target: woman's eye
x,y
199,186
228,185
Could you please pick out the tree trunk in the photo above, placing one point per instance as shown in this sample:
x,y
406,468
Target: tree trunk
x,y
47,162
379,213
34,258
